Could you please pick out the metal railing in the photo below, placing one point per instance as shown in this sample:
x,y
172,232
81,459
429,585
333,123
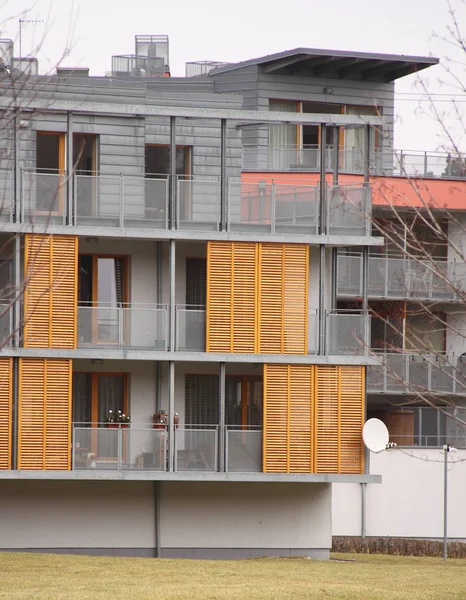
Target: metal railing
x,y
196,448
43,198
128,326
243,449
417,373
313,331
121,201
190,328
272,208
348,210
105,446
348,332
351,159
428,441
307,158
6,195
402,278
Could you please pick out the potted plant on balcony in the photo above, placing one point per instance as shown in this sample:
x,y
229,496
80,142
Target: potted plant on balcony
x,y
116,419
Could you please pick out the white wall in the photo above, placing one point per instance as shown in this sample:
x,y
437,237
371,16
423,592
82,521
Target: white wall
x,y
76,514
409,502
245,515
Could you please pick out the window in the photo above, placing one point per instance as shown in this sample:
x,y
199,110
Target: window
x,y
158,160
50,169
243,400
94,395
102,292
196,278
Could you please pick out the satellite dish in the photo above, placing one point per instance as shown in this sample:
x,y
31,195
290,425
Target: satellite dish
x,y
375,435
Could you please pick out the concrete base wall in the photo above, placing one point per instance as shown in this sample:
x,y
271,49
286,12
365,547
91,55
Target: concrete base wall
x,y
197,520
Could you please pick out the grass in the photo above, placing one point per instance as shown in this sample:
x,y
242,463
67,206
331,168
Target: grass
x,y
357,577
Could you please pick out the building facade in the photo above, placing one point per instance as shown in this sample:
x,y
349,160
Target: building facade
x,y
187,357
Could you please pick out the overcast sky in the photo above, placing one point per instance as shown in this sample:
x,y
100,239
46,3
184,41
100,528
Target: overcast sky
x,y
94,30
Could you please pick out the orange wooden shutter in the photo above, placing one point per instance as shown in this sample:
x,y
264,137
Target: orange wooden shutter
x,y
44,414
288,418
50,296
283,274
231,296
6,384
352,417
340,417
257,297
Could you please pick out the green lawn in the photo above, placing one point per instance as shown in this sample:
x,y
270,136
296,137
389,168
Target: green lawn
x,y
358,577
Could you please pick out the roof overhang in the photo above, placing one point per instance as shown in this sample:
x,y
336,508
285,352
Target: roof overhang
x,y
336,64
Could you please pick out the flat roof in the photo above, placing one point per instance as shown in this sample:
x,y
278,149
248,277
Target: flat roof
x,y
336,64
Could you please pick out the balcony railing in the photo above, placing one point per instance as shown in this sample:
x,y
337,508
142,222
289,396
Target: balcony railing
x,y
382,161
6,195
348,332
146,327
430,441
143,327
402,278
104,446
118,201
190,328
417,373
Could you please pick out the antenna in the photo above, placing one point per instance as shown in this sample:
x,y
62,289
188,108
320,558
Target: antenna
x,y
375,435
20,25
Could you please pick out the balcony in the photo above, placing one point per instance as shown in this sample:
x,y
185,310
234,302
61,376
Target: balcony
x,y
383,161
6,324
114,201
146,327
102,446
7,195
417,373
402,278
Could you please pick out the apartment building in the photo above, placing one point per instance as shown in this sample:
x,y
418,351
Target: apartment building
x,y
186,358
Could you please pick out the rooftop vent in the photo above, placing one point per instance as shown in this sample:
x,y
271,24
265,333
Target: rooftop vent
x,y
201,67
73,71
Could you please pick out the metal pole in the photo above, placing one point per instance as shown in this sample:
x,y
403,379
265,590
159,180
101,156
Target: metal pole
x,y
158,371
363,509
17,212
322,188
171,415
157,496
16,333
172,183
69,170
335,169
322,230
172,305
223,174
446,450
221,448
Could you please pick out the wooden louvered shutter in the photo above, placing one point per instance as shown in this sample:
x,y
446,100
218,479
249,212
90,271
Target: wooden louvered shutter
x,y
6,383
283,275
231,297
44,414
296,306
327,435
352,417
288,418
50,296
340,418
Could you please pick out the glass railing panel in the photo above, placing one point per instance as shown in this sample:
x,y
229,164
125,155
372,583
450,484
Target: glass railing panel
x,y
243,450
198,204
43,198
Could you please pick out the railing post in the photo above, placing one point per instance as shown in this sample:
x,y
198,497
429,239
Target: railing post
x,y
223,173
120,448
425,164
221,431
171,417
121,200
68,216
173,181
21,197
273,211
73,447
120,327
